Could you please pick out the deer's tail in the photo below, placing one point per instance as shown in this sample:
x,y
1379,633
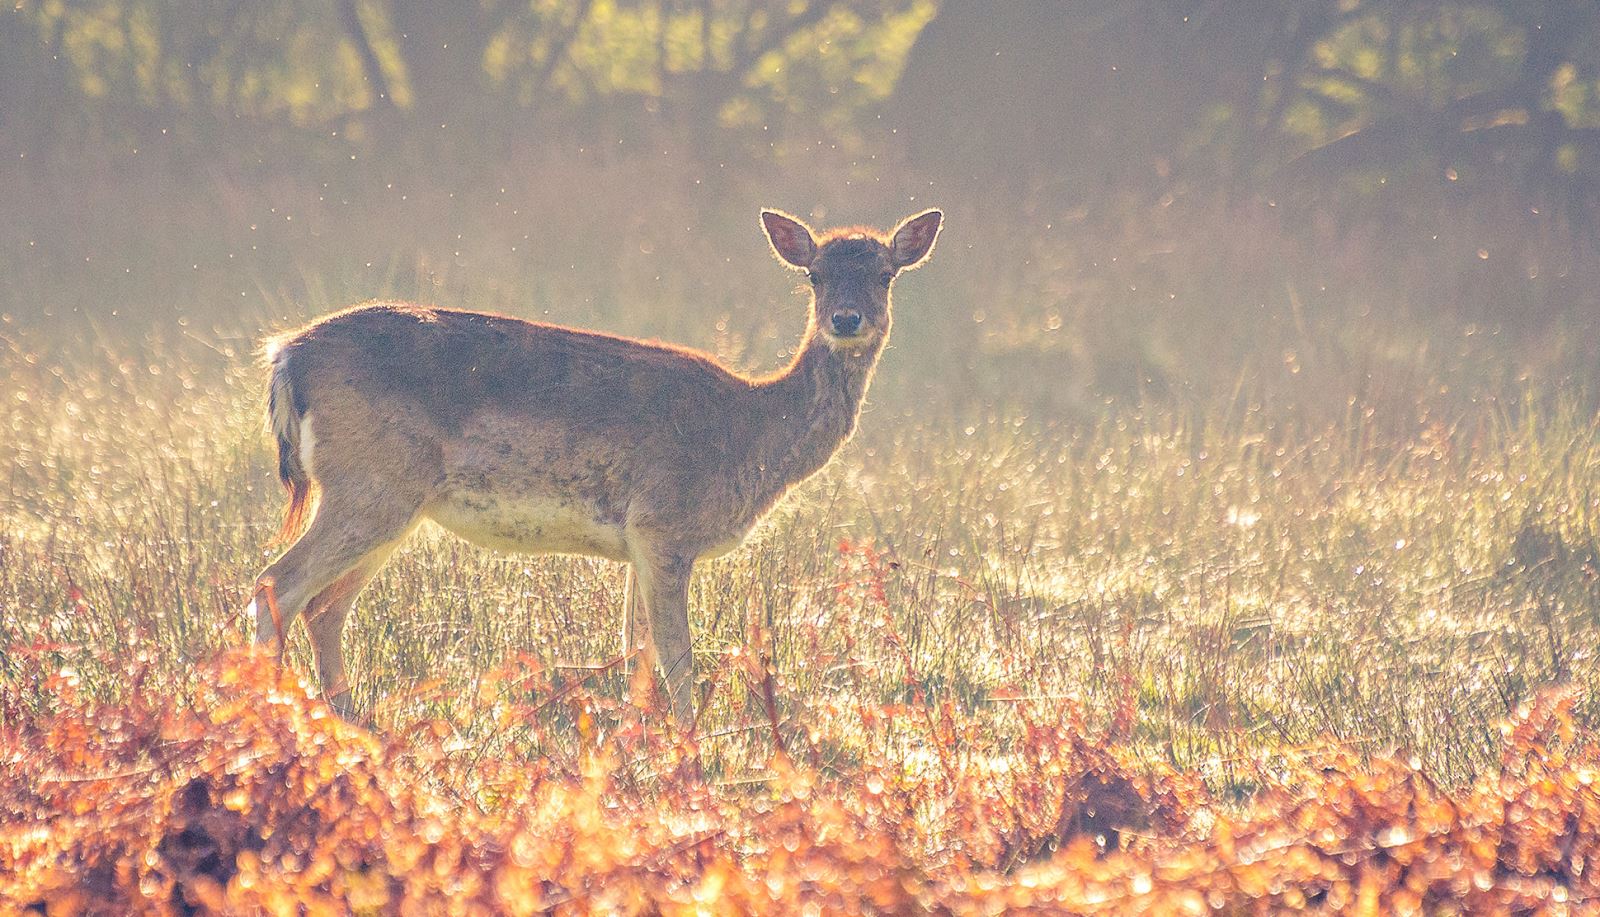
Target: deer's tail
x,y
286,409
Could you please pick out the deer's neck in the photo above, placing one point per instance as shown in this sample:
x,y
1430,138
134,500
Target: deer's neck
x,y
810,409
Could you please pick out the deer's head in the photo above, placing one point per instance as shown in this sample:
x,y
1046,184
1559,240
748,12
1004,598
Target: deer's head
x,y
851,271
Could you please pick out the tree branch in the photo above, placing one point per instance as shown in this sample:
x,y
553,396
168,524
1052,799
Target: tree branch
x,y
559,49
350,18
752,54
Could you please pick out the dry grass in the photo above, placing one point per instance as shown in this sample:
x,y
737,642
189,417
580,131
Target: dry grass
x,y
1370,553
247,796
1226,584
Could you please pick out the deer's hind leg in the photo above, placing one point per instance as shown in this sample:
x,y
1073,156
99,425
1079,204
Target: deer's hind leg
x,y
356,525
325,619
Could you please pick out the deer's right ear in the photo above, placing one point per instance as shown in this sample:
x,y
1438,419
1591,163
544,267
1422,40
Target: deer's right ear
x,y
791,239
912,242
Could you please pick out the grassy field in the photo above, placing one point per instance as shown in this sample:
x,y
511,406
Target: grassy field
x,y
1211,583
1227,578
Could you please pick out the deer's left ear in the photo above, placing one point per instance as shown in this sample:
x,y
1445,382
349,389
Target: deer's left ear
x,y
914,237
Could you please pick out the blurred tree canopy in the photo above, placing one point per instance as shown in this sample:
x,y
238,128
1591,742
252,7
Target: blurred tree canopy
x,y
475,72
1064,99
1081,97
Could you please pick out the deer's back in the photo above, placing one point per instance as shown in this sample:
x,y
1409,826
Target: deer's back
x,y
523,435
452,364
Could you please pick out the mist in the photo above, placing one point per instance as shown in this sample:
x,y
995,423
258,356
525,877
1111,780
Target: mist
x,y
1220,528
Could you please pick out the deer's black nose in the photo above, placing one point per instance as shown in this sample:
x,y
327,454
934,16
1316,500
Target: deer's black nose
x,y
846,323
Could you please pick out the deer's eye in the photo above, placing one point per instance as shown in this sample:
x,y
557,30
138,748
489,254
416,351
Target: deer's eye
x,y
815,278
887,278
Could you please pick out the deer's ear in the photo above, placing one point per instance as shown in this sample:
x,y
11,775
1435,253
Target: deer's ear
x,y
791,239
913,238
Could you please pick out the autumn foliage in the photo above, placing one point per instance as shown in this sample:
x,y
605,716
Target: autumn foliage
x,y
246,795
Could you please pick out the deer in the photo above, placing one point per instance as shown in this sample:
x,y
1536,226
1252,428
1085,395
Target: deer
x,y
538,438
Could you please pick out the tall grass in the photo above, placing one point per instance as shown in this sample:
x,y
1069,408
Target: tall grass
x,y
1211,580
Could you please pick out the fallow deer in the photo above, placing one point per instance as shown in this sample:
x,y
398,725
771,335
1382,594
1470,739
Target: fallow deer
x,y
538,438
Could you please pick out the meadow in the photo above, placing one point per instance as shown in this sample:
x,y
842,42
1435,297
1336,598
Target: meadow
x,y
1221,534
1360,561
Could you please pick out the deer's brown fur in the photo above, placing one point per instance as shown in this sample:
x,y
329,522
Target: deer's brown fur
x,y
534,437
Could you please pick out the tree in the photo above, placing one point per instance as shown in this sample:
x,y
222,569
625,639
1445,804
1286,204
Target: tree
x,y
1087,97
455,77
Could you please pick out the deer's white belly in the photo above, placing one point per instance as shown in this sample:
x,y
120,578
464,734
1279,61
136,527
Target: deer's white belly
x,y
531,524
